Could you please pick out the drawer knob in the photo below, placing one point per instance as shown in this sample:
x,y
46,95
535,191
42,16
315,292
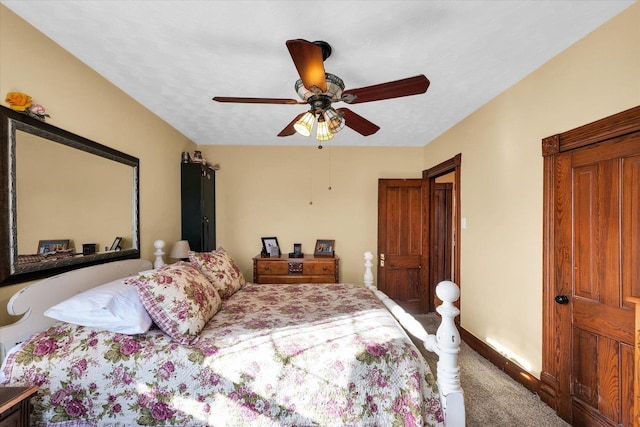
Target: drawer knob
x,y
324,267
266,267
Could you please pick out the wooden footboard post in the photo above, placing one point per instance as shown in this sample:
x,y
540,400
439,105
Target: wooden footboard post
x,y
368,274
446,344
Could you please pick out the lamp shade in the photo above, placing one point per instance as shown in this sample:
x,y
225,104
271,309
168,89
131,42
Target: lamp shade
x,y
304,125
335,86
323,133
334,120
180,250
302,91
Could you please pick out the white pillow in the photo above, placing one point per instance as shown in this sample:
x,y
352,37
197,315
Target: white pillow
x,y
114,306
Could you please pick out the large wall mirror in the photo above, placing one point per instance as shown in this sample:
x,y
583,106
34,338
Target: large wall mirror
x,y
67,202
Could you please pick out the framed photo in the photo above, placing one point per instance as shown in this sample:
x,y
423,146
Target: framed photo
x,y
45,246
115,246
324,248
270,246
297,248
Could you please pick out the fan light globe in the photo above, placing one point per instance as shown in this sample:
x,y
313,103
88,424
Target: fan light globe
x,y
334,119
323,133
335,86
304,125
302,91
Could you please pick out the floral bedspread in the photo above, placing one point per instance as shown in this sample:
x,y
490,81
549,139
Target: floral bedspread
x,y
299,354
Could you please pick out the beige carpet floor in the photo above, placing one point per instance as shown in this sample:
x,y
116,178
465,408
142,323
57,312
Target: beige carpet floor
x,y
492,398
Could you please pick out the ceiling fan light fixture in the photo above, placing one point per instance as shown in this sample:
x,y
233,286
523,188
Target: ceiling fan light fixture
x,y
335,121
302,91
320,90
335,86
322,133
304,125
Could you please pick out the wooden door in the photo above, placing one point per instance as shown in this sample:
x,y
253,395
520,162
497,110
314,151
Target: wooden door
x,y
595,243
441,237
401,204
602,321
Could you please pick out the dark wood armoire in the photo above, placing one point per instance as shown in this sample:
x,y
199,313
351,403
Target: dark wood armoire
x,y
198,184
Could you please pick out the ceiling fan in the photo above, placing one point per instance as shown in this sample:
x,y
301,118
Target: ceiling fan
x,y
320,90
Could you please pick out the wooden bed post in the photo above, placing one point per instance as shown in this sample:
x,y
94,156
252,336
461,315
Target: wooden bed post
x,y
448,337
445,343
368,274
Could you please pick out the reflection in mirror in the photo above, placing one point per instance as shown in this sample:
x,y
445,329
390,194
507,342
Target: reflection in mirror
x,y
67,194
68,199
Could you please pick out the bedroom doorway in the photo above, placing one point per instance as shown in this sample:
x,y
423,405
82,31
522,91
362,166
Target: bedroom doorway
x,y
441,236
591,247
418,235
442,221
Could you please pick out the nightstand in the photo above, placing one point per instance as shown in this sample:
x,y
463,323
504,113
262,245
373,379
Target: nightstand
x,y
15,410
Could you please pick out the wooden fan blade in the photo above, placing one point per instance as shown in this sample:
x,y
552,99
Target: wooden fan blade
x,y
289,130
396,89
308,60
358,123
257,100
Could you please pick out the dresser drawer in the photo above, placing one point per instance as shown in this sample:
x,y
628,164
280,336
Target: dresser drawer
x,y
328,267
272,267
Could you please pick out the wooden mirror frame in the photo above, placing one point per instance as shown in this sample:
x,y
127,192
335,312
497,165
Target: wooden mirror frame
x,y
10,272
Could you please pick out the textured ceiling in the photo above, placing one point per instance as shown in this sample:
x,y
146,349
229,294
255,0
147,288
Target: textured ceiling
x,y
174,56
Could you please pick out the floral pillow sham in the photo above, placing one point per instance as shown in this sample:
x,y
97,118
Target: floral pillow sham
x,y
179,299
220,269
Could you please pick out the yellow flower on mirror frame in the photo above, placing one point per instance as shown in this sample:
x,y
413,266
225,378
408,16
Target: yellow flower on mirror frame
x,y
18,101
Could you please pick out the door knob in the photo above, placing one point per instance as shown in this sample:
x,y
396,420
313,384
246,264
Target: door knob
x,y
562,299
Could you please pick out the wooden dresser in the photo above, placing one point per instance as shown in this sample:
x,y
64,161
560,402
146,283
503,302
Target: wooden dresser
x,y
283,269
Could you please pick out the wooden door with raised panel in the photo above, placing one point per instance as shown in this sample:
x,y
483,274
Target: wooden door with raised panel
x,y
598,248
401,204
603,337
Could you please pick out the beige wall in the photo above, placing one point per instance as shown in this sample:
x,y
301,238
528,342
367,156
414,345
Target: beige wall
x,y
284,192
81,101
501,198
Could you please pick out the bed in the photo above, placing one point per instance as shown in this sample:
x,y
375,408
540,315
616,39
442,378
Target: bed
x,y
263,355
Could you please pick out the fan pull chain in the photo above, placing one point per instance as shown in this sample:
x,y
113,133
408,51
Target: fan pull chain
x,y
330,169
311,181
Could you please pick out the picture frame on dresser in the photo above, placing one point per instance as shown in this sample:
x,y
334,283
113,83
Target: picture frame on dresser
x,y
324,248
270,246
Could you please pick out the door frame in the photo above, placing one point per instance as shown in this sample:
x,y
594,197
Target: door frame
x,y
442,231
429,176
556,332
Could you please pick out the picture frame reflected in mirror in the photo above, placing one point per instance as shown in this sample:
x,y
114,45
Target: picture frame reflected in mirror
x,y
115,246
46,246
